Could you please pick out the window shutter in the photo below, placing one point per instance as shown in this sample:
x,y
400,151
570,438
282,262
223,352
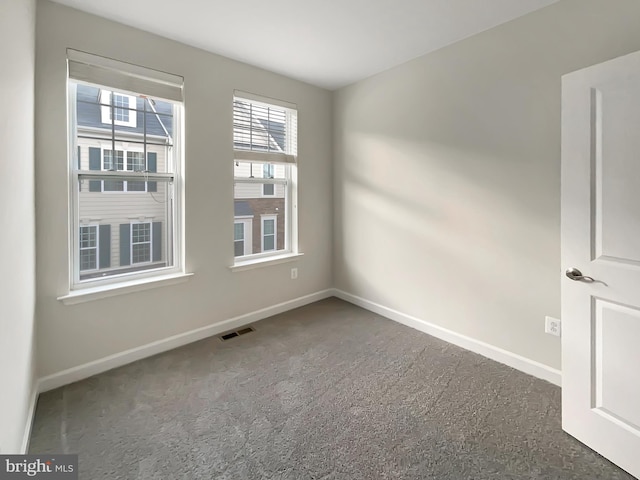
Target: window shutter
x,y
157,241
79,168
152,166
104,239
125,244
95,161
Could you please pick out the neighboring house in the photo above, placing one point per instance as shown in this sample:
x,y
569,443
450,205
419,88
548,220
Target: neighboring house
x,y
122,223
259,210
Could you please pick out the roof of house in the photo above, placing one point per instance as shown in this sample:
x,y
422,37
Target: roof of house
x,y
89,113
257,127
242,209
276,131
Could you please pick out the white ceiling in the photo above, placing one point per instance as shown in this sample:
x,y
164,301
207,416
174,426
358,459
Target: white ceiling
x,y
329,43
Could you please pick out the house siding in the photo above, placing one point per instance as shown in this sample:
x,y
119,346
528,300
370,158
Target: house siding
x,y
116,208
253,190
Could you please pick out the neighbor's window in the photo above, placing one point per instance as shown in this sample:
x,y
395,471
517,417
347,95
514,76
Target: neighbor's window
x,y
242,235
265,191
119,108
88,247
140,242
269,235
238,239
268,189
124,160
125,134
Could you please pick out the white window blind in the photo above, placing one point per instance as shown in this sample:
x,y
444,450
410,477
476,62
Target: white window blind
x,y
90,68
264,132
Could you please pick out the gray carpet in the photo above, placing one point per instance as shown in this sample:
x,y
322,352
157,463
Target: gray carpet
x,y
327,391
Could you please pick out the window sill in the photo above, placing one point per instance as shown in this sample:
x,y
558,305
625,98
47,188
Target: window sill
x,y
106,291
264,261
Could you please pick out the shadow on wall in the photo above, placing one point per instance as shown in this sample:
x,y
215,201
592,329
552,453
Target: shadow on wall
x,y
431,231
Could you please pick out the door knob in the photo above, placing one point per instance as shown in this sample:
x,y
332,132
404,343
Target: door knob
x,y
576,275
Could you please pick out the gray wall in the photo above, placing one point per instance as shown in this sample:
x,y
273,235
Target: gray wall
x,y
447,175
69,336
17,217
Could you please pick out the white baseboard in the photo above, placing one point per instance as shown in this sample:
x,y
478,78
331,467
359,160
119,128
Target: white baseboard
x,y
119,359
33,400
513,360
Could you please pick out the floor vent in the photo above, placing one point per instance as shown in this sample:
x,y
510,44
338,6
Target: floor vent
x,y
237,333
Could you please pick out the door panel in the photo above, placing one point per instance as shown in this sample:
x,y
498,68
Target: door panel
x,y
601,238
617,170
615,331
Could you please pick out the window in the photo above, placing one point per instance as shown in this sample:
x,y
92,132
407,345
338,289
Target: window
x,y
238,239
88,247
132,161
242,229
269,233
113,163
119,107
125,125
140,242
268,189
265,173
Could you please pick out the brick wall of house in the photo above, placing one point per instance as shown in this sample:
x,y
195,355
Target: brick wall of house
x,y
267,206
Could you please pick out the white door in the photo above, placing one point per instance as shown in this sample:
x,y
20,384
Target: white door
x,y
601,239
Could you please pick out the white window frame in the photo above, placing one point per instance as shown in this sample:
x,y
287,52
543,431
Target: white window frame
x,y
125,164
105,109
264,218
97,247
90,69
287,158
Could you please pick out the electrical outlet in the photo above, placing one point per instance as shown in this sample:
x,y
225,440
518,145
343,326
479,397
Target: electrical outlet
x,y
294,273
552,326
